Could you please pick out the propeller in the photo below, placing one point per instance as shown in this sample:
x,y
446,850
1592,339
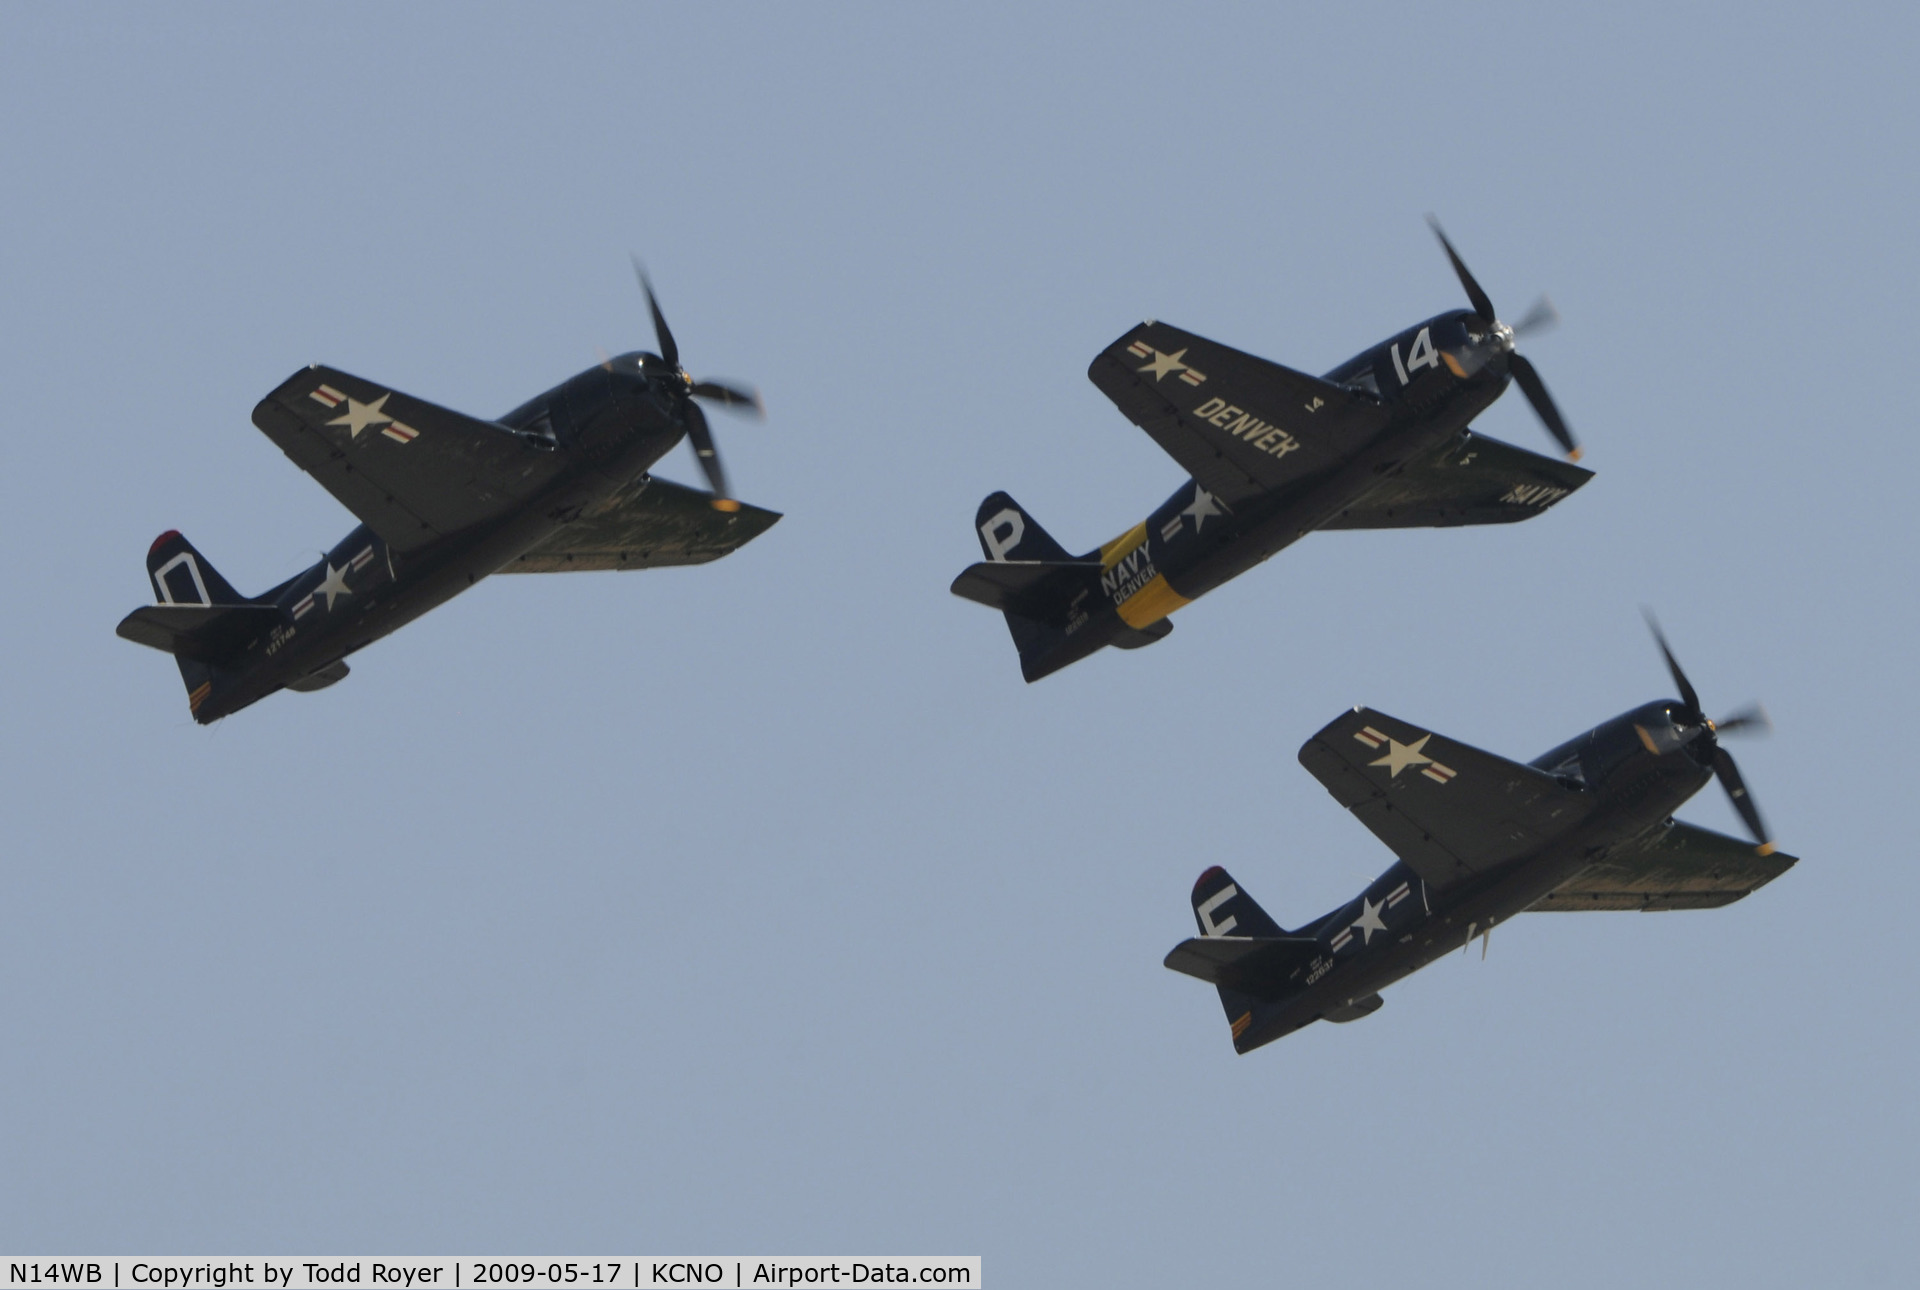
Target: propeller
x,y
667,364
1750,719
1541,316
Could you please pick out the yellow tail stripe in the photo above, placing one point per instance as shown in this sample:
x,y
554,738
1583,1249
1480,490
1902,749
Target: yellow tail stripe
x,y
1151,603
1110,553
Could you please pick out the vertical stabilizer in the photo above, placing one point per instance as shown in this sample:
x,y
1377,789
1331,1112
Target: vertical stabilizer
x,y
182,576
1221,908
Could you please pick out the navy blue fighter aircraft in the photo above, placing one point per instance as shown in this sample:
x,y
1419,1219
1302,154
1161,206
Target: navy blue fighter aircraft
x,y
558,484
1586,826
1381,441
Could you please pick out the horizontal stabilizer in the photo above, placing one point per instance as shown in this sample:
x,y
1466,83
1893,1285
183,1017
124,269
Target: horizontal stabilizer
x,y
1008,584
1256,965
1354,1009
1141,637
204,632
321,678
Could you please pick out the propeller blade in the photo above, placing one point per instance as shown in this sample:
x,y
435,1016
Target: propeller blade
x,y
1536,391
1729,776
1475,296
733,396
663,333
1542,317
1687,695
1752,719
702,437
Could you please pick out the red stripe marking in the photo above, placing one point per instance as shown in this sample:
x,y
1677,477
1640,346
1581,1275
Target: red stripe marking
x,y
1215,872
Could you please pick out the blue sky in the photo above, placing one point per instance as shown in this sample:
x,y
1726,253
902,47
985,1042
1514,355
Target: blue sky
x,y
760,907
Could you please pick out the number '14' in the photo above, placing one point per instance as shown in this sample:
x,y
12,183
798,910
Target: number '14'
x,y
1419,354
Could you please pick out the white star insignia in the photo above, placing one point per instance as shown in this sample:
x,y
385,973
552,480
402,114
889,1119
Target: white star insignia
x,y
1204,504
360,416
1165,364
1369,921
335,586
1400,756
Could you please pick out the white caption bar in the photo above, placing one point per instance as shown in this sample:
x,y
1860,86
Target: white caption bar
x,y
624,1273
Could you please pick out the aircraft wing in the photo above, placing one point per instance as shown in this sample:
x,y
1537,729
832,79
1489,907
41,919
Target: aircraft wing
x,y
1448,810
647,524
411,470
1239,425
1676,866
1474,481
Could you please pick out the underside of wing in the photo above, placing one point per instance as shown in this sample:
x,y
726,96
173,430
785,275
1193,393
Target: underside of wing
x,y
1239,425
1676,866
1475,480
647,524
1449,810
411,470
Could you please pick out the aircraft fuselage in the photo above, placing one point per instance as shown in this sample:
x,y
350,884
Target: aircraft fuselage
x,y
607,425
1399,924
1192,543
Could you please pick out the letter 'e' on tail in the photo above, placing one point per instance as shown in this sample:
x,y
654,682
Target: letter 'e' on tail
x,y
1238,943
1221,908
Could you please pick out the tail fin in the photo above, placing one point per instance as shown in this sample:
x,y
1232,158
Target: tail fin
x,y
1220,908
182,576
1241,951
1034,581
200,619
1007,532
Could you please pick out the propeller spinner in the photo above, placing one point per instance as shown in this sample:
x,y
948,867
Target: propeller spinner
x,y
698,431
1540,316
1694,724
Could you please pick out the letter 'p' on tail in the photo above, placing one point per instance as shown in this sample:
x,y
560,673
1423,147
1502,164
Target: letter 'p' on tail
x,y
1032,579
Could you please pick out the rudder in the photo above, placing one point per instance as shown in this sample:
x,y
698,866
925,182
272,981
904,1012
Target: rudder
x,y
198,617
1031,579
1221,908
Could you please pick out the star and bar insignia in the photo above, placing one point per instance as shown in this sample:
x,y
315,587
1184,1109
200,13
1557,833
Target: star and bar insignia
x,y
1163,364
1402,756
363,416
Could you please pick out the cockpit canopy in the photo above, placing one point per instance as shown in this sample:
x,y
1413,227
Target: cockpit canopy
x,y
1657,729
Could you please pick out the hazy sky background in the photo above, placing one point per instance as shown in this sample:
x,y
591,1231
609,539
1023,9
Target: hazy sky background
x,y
760,907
